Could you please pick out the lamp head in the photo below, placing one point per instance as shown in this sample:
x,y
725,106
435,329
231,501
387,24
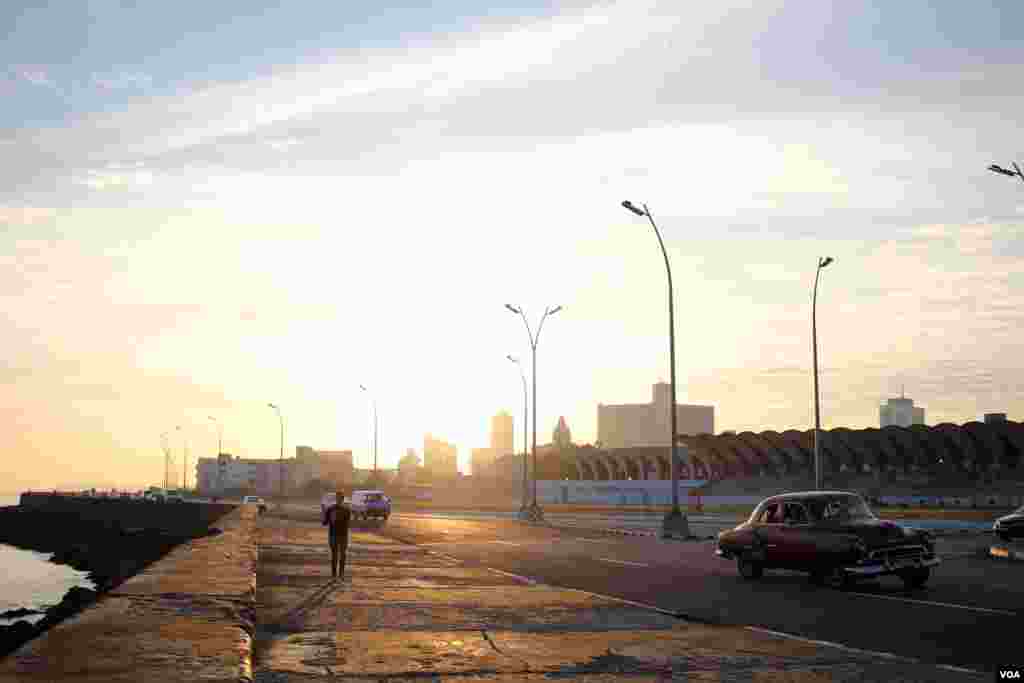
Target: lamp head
x,y
362,387
554,310
631,207
999,169
825,261
512,358
272,406
512,308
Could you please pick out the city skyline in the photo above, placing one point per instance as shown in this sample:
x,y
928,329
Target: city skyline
x,y
206,211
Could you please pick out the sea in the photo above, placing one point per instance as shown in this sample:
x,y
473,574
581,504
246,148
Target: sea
x,y
29,580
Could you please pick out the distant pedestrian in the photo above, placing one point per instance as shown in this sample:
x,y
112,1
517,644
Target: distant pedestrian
x,y
337,517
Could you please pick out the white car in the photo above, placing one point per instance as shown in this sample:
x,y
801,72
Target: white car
x,y
255,500
370,504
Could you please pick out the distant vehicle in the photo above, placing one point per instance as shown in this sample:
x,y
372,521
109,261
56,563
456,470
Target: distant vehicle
x,y
1010,526
370,505
833,535
154,496
174,496
255,500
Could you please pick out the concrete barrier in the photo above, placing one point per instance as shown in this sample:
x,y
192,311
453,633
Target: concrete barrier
x,y
188,616
178,518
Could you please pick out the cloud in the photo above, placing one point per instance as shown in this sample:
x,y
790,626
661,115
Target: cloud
x,y
25,215
123,81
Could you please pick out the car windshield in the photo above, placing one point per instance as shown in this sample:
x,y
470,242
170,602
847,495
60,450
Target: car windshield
x,y
838,508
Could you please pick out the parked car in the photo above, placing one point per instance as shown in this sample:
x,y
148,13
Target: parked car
x,y
370,505
174,497
1011,526
832,535
255,500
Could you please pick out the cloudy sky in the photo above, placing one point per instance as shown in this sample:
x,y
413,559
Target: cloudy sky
x,y
208,206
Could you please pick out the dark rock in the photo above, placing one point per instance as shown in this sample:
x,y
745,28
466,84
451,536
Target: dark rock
x,y
20,612
13,636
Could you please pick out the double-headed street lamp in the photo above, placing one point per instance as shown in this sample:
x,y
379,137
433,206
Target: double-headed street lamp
x,y
374,401
1015,173
535,513
675,522
523,509
822,262
280,418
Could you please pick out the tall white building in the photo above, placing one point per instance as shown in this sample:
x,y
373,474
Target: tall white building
x,y
649,424
900,412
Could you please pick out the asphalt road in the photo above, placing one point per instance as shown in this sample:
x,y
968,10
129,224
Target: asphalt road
x,y
967,616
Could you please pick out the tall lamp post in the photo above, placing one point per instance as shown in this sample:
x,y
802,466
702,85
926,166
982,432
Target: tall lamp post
x,y
535,513
166,443
280,418
220,435
373,400
523,510
1016,172
822,262
675,522
169,474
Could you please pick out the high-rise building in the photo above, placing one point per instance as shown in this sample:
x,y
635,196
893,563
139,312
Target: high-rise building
x,y
561,437
440,458
502,438
900,412
649,424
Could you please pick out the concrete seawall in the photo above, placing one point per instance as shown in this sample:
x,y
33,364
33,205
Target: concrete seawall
x,y
187,616
178,518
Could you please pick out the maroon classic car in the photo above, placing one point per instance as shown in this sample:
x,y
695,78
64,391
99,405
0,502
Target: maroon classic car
x,y
833,535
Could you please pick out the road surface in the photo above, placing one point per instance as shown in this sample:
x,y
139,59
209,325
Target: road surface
x,y
968,615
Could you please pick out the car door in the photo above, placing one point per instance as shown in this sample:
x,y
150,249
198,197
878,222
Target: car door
x,y
796,544
768,532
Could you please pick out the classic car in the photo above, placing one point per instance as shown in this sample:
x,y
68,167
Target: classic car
x,y
832,535
1010,526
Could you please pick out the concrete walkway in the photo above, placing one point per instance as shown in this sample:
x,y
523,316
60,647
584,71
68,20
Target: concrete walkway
x,y
187,617
404,612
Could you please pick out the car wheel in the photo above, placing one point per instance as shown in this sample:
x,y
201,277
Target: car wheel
x,y
916,578
749,569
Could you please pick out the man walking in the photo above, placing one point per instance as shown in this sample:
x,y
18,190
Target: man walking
x,y
337,517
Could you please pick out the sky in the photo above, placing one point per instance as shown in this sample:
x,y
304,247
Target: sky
x,y
207,207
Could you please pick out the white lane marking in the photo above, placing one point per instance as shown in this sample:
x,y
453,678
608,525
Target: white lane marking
x,y
932,603
631,564
507,543
855,650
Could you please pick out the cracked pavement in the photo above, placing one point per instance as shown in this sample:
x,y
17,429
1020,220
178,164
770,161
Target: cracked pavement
x,y
407,612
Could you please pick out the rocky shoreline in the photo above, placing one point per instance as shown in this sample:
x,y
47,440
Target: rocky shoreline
x,y
108,550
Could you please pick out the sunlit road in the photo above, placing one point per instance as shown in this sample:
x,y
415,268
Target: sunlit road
x,y
968,615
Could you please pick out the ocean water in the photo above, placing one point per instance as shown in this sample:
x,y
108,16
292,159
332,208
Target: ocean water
x,y
28,579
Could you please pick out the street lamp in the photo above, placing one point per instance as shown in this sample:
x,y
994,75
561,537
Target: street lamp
x,y
822,262
280,417
220,435
535,513
675,522
1005,171
523,512
373,399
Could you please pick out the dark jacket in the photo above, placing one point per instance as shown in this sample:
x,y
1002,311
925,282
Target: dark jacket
x,y
337,517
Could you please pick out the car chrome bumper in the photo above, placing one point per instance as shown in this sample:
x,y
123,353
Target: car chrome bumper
x,y
886,568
